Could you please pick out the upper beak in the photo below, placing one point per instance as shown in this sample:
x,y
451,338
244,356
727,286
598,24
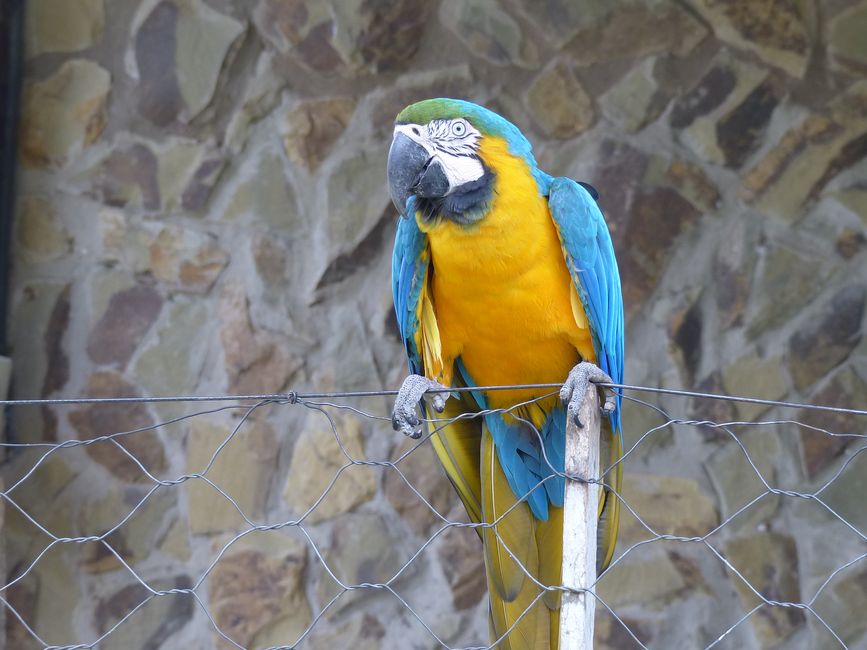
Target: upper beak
x,y
413,171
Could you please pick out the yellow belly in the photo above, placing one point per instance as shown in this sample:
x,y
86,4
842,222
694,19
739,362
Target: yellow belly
x,y
502,293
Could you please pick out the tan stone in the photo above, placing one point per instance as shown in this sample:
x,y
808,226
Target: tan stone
x,y
312,127
646,577
267,199
63,114
63,25
754,377
256,591
316,460
846,43
186,259
634,31
558,102
778,31
242,469
41,235
668,505
769,564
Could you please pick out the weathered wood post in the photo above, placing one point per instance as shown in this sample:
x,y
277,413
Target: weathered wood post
x,y
580,512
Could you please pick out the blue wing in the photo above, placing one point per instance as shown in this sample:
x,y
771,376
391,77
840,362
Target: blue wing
x,y
590,257
409,264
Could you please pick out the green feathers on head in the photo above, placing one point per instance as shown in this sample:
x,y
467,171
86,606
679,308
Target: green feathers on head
x,y
487,122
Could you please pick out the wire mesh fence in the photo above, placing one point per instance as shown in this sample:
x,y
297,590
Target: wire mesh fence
x,y
775,557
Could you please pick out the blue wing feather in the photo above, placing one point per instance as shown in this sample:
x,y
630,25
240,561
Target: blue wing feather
x,y
590,257
408,272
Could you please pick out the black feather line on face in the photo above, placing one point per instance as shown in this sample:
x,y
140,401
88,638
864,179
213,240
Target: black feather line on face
x,y
465,205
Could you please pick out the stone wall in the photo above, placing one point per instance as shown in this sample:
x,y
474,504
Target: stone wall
x,y
202,209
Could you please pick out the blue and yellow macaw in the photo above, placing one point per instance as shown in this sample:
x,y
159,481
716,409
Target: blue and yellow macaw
x,y
504,275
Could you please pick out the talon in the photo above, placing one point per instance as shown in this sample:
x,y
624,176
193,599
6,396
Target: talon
x,y
404,416
575,388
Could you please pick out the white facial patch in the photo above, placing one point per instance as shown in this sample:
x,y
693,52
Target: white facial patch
x,y
453,143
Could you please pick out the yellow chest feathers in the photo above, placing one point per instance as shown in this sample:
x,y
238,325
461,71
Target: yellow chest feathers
x,y
499,294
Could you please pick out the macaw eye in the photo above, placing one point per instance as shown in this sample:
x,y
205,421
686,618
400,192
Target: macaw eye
x,y
459,128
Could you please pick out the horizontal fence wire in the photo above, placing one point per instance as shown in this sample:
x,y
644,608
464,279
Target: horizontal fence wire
x,y
758,594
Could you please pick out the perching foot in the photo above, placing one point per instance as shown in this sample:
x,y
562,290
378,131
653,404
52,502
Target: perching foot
x,y
404,417
573,391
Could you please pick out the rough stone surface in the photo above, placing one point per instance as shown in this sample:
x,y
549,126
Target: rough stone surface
x,y
97,420
769,562
489,32
375,561
257,592
202,209
420,468
778,31
256,362
824,343
63,25
241,470
348,38
312,128
155,623
317,457
558,103
41,235
844,392
180,48
64,113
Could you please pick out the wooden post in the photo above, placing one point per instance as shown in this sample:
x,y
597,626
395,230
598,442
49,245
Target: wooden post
x,y
580,514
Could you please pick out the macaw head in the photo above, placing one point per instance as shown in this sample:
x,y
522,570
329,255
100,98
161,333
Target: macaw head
x,y
437,156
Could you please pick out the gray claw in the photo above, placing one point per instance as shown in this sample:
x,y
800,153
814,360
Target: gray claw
x,y
404,417
575,388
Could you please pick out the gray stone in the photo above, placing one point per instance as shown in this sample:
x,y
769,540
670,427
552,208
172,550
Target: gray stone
x,y
489,32
375,561
737,483
778,31
821,344
789,281
634,101
153,625
180,49
127,318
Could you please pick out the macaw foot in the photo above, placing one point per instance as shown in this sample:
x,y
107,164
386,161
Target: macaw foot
x,y
404,417
573,391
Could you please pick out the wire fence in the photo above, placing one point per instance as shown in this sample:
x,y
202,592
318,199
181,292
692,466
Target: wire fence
x,y
751,568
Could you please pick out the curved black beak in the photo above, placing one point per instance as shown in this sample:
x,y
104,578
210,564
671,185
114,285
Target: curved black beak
x,y
412,171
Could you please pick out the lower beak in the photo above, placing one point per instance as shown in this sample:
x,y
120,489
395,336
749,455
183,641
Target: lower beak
x,y
413,172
